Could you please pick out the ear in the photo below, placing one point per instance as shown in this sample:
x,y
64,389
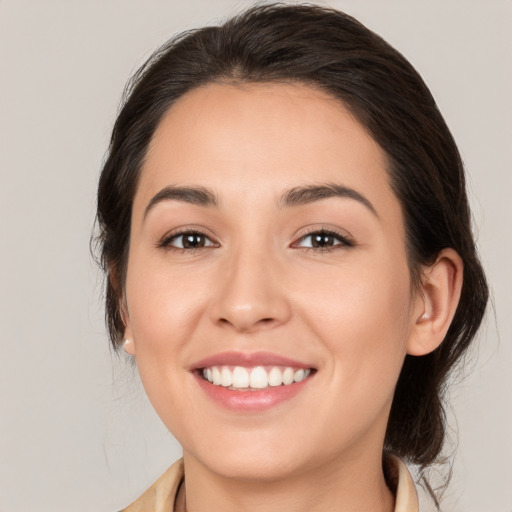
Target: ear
x,y
441,284
128,343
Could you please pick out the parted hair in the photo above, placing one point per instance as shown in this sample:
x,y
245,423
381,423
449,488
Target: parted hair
x,y
329,50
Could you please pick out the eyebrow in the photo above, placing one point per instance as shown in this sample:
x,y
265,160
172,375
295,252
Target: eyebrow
x,y
309,194
199,196
296,196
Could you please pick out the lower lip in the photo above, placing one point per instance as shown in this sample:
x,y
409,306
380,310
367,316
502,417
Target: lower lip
x,y
251,401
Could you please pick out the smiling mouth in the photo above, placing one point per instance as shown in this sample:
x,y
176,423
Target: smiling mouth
x,y
257,378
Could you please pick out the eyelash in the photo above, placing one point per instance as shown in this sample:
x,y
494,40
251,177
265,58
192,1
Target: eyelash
x,y
166,242
343,240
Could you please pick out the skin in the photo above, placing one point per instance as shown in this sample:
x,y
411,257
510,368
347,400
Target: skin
x,y
349,311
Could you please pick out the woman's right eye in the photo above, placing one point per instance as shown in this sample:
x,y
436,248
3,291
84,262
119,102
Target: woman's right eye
x,y
189,240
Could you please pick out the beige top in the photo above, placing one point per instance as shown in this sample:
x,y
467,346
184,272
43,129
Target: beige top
x,y
160,497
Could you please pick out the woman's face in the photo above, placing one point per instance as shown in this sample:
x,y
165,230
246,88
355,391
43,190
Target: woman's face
x,y
267,254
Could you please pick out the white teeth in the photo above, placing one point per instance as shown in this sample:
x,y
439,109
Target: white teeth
x,y
240,377
226,378
275,377
257,377
288,376
217,379
299,375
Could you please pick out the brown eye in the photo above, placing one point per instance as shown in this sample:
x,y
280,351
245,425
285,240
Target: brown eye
x,y
189,240
193,241
323,240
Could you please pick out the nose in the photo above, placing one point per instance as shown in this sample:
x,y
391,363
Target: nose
x,y
251,293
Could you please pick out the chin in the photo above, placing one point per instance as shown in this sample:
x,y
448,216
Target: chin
x,y
251,461
267,467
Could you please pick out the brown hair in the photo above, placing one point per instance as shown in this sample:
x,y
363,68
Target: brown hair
x,y
329,50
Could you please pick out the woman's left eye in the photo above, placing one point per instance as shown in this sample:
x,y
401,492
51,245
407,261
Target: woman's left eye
x,y
323,240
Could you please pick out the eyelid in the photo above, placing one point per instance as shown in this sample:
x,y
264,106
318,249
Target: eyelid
x,y
345,238
164,242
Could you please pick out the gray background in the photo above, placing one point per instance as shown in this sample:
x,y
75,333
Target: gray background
x,y
76,432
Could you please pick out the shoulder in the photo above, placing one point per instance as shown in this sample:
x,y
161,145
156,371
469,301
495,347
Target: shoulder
x,y
161,495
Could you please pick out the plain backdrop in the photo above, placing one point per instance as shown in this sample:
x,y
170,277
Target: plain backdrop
x,y
76,431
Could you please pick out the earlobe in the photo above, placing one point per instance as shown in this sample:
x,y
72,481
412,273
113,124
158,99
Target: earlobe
x,y
440,293
128,343
129,346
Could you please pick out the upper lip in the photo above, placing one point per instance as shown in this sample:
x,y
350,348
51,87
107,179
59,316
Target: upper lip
x,y
248,360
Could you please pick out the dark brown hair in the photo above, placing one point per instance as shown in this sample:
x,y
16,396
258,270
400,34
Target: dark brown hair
x,y
329,50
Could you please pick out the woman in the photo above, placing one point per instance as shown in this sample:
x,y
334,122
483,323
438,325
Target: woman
x,y
287,240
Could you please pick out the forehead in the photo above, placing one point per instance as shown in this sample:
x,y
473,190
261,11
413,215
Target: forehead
x,y
253,141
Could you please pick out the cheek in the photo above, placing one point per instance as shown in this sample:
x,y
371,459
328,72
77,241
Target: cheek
x,y
363,322
164,310
164,305
362,314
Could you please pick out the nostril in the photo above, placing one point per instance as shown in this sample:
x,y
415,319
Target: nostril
x,y
244,324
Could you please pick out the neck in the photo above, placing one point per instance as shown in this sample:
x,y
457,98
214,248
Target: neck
x,y
356,485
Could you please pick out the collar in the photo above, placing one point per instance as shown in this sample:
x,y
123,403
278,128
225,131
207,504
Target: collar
x,y
406,498
160,497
